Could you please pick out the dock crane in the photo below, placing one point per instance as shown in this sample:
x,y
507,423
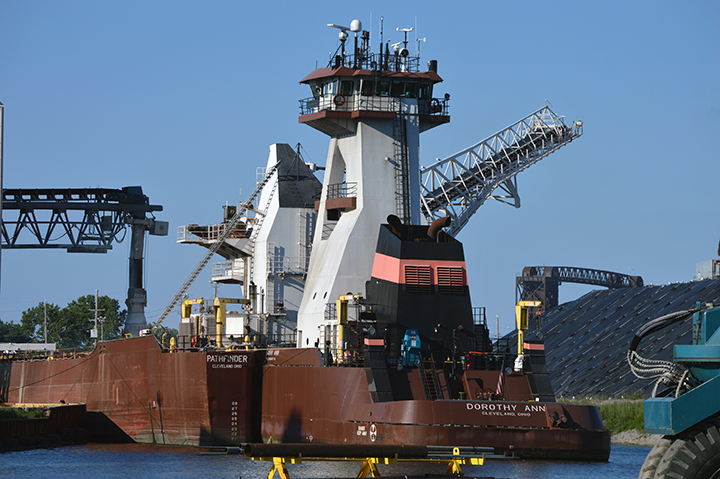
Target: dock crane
x,y
85,220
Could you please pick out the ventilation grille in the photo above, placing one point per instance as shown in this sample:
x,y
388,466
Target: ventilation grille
x,y
418,279
451,280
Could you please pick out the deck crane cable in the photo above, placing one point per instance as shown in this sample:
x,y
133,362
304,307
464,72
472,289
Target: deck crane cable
x,y
229,227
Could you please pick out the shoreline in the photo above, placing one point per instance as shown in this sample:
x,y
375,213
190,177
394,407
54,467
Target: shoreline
x,y
633,437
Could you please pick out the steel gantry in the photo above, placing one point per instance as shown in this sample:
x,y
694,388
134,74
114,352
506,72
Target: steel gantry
x,y
84,220
459,184
79,220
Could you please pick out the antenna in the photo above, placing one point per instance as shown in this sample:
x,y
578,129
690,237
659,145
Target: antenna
x,y
404,52
343,31
406,31
419,40
355,27
381,54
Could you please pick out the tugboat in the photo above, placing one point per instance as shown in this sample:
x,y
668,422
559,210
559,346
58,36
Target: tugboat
x,y
357,325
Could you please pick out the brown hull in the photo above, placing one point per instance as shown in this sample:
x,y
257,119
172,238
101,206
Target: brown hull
x,y
154,397
230,398
332,405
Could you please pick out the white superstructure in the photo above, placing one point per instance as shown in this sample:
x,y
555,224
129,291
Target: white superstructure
x,y
374,109
268,252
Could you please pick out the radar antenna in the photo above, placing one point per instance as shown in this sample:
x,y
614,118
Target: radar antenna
x,y
355,27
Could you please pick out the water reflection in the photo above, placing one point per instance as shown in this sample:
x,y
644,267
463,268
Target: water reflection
x,y
103,461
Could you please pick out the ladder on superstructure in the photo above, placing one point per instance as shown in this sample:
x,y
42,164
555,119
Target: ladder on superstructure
x,y
402,180
259,220
458,185
229,228
429,382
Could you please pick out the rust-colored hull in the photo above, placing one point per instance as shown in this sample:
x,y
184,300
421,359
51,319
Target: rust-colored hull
x,y
285,395
154,397
332,405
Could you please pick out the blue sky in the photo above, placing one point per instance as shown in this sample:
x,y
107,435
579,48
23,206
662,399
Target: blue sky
x,y
184,98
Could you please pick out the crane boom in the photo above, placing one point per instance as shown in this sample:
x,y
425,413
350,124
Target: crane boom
x,y
459,184
229,228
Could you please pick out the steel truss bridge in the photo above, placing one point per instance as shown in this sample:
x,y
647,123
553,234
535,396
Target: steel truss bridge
x,y
541,283
459,184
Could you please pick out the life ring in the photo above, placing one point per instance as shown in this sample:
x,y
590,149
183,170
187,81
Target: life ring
x,y
194,341
339,100
434,104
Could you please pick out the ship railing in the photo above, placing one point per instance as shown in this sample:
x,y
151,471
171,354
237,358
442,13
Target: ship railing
x,y
505,345
479,318
342,190
236,341
392,62
357,102
43,354
198,233
277,264
232,269
378,62
287,340
483,361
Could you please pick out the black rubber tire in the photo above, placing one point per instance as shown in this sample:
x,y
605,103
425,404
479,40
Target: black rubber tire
x,y
653,458
693,454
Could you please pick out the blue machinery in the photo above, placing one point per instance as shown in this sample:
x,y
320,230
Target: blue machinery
x,y
687,412
410,352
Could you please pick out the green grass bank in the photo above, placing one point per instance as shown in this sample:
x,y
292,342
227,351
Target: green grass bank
x,y
619,415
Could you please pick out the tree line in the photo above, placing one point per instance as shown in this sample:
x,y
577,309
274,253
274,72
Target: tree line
x,y
68,327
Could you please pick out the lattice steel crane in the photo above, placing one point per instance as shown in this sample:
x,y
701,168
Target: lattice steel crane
x,y
84,220
459,184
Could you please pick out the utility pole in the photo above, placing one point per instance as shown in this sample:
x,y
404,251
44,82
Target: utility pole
x,y
45,306
102,320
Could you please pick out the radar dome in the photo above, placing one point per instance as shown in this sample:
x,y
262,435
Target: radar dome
x,y
355,26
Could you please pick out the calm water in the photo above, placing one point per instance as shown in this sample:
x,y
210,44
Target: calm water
x,y
142,461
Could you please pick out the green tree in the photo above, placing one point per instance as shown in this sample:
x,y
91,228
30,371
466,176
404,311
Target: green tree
x,y
13,333
70,326
33,321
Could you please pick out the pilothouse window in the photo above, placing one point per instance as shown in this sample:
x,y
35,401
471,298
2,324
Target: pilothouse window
x,y
346,87
382,88
366,88
397,90
411,90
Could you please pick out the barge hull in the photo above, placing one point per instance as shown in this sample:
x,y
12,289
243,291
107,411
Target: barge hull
x,y
194,398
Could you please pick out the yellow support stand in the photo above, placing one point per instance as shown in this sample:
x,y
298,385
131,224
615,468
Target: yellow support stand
x,y
279,465
369,464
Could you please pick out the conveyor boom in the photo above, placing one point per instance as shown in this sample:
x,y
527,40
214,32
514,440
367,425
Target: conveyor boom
x,y
458,185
